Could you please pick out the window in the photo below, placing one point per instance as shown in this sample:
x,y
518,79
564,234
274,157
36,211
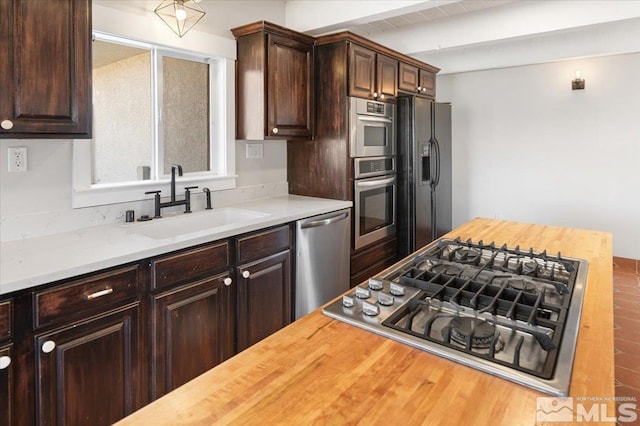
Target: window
x,y
152,107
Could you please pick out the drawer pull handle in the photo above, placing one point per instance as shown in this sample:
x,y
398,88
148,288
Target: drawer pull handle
x,y
246,274
4,362
6,124
48,346
227,281
99,294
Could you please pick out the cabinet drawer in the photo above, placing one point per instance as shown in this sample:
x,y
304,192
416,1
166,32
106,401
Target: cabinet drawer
x,y
5,320
263,244
364,259
81,297
189,265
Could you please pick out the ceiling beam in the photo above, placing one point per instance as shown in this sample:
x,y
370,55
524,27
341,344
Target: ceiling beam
x,y
511,21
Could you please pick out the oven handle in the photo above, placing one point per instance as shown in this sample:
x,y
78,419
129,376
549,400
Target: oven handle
x,y
379,182
375,119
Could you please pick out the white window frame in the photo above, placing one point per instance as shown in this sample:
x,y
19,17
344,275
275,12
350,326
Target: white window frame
x,y
222,149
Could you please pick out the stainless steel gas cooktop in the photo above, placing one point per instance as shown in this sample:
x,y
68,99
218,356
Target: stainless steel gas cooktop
x,y
506,311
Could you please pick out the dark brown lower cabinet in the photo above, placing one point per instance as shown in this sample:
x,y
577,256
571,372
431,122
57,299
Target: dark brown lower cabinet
x,y
89,371
6,388
193,331
264,297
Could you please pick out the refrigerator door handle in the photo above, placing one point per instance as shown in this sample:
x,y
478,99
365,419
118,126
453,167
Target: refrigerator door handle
x,y
436,144
432,163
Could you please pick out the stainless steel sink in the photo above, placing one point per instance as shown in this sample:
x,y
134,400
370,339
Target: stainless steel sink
x,y
196,223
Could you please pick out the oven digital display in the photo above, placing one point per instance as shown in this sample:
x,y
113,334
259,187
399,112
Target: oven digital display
x,y
373,166
375,108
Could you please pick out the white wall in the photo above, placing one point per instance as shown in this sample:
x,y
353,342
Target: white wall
x,y
528,148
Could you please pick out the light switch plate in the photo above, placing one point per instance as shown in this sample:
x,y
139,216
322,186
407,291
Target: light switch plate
x,y
254,150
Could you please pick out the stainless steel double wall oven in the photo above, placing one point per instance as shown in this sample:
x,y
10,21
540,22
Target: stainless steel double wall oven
x,y
373,149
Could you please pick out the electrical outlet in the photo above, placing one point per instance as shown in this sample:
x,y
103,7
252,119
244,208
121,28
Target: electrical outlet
x,y
18,159
254,150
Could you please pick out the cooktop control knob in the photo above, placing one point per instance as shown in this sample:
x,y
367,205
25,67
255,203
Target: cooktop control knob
x,y
370,309
375,284
348,302
362,293
385,299
396,289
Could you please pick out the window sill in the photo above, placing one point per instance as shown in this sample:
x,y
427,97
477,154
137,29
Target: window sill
x,y
113,194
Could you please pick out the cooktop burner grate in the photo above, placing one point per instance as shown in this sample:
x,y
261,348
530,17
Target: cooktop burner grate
x,y
509,312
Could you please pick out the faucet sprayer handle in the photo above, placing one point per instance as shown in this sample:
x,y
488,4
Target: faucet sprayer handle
x,y
207,192
187,188
156,208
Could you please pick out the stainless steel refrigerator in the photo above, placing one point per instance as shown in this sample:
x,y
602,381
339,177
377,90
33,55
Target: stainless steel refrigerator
x,y
424,172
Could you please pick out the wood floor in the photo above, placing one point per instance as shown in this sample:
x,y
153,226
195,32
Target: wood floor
x,y
626,317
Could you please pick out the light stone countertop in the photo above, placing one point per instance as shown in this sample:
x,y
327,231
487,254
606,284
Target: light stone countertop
x,y
34,261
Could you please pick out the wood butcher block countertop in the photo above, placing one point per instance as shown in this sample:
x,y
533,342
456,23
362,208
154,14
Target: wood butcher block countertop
x,y
321,371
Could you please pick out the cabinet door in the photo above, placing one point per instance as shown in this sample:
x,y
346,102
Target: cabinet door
x,y
89,372
45,72
428,83
362,71
407,77
387,78
264,298
193,331
290,88
6,387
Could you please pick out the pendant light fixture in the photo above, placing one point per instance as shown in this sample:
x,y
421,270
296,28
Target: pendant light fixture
x,y
180,15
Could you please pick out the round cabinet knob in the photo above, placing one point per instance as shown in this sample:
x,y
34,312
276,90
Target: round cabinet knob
x,y
275,130
227,281
48,346
7,124
246,274
424,89
375,94
4,362
382,96
419,89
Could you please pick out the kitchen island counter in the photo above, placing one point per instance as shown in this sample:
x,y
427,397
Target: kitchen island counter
x,y
319,370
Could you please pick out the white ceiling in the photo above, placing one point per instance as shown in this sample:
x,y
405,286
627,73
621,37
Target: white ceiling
x,y
426,15
455,35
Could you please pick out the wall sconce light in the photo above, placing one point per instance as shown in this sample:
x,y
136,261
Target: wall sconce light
x,y
180,15
578,82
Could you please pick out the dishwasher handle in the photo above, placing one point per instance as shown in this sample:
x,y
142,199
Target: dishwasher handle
x,y
324,222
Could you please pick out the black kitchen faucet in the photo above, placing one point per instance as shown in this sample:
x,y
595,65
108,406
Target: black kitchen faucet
x,y
187,194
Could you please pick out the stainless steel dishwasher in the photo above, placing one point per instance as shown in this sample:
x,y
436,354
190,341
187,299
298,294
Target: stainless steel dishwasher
x,y
322,259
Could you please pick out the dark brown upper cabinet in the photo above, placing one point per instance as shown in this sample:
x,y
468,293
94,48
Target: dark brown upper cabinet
x,y
428,83
371,74
416,80
45,71
274,83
